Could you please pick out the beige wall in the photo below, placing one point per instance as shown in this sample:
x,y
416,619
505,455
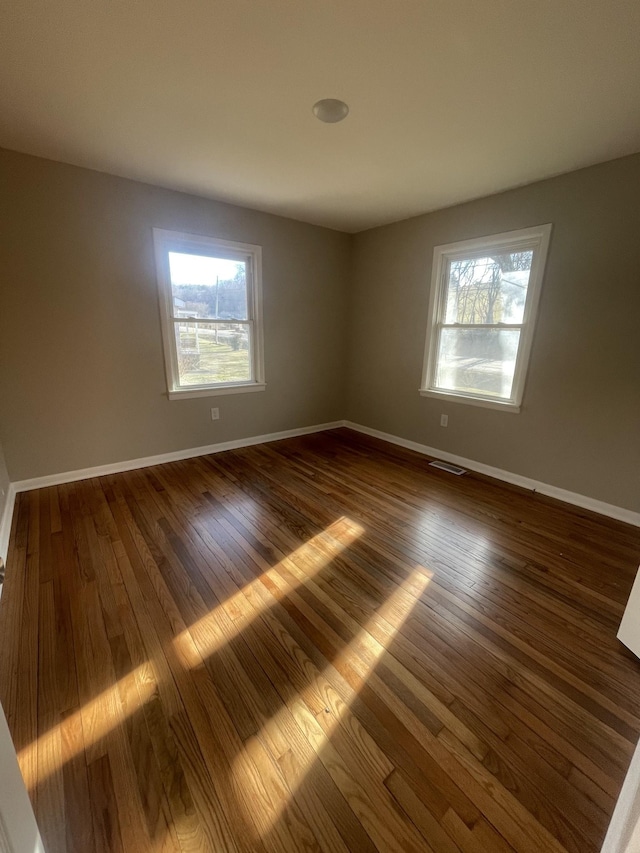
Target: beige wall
x,y
81,371
579,427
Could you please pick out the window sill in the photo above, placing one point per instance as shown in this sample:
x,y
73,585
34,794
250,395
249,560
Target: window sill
x,y
187,393
452,397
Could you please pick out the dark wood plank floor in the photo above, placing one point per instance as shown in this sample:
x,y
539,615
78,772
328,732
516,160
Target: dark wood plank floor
x,y
319,644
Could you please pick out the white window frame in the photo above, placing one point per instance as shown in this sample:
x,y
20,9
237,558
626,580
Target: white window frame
x,y
525,239
177,241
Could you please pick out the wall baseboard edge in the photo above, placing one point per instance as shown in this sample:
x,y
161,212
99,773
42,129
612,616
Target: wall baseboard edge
x,y
582,501
5,521
173,456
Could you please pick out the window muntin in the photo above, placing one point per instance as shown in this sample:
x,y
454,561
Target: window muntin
x,y
211,314
483,303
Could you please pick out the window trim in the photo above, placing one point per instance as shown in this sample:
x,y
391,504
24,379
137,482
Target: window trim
x,y
536,238
166,241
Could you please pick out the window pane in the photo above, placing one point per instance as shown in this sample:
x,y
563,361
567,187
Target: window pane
x,y
208,287
488,290
477,361
213,352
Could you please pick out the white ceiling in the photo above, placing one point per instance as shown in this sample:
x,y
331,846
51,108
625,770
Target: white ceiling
x,y
450,99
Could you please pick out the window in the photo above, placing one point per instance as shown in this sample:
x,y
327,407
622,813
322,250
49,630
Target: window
x,y
210,306
484,297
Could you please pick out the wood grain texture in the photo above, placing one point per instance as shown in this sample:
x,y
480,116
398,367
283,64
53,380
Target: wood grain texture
x,y
319,644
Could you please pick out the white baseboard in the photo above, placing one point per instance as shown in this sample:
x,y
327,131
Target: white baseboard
x,y
174,456
5,521
582,501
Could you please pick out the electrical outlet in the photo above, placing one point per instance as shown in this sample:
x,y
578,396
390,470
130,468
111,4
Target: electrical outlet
x,y
215,414
444,420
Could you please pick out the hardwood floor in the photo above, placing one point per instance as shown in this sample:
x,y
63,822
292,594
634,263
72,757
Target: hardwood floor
x,y
319,644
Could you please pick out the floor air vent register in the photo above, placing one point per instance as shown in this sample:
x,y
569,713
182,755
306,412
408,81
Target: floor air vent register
x,y
447,466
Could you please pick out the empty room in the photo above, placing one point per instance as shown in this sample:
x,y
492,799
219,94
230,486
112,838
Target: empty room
x,y
319,426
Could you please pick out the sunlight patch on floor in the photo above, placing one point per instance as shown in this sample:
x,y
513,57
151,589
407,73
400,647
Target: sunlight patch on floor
x,y
364,652
227,621
83,729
